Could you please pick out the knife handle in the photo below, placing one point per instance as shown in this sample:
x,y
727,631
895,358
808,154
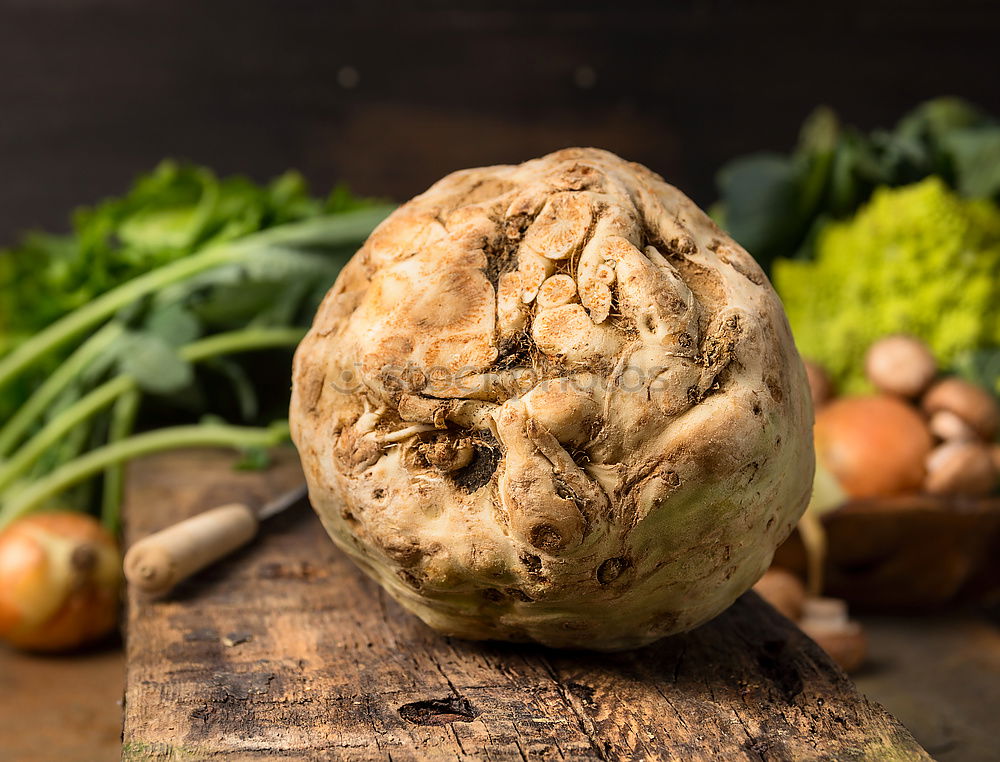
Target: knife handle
x,y
157,563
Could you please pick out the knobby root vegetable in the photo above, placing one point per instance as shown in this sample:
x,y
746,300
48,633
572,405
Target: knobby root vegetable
x,y
555,402
874,446
59,582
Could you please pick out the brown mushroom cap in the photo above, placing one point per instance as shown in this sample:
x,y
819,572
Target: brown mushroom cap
x,y
900,365
845,643
945,425
973,404
826,621
820,384
961,468
783,590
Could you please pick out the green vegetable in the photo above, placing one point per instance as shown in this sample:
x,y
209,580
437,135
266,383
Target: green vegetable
x,y
918,260
775,204
75,471
180,300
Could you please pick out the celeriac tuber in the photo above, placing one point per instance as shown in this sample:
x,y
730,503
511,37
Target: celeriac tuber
x,y
555,402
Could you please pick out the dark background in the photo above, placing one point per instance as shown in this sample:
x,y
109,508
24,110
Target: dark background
x,y
389,97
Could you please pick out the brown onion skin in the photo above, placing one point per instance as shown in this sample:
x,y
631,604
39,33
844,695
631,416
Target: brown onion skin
x,y
875,446
68,564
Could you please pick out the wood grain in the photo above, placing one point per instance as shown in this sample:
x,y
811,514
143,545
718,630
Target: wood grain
x,y
286,651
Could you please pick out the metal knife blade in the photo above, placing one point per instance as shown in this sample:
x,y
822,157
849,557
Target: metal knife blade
x,y
282,502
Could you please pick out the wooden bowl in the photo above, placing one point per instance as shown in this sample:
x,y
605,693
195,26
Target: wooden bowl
x,y
911,553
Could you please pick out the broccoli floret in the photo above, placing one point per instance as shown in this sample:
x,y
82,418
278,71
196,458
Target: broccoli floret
x,y
917,259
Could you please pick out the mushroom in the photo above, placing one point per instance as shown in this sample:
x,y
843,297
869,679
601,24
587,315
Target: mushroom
x,y
961,468
578,407
825,620
973,404
820,384
901,365
783,590
945,425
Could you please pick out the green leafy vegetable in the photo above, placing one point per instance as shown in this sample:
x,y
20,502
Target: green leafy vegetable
x,y
153,364
917,259
775,204
184,297
975,154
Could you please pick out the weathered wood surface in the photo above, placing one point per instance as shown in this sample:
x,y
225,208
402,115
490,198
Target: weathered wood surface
x,y
286,651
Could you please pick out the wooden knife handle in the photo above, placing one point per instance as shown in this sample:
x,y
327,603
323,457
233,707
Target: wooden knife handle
x,y
155,564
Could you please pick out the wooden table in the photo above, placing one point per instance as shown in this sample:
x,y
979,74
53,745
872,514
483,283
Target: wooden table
x,y
286,651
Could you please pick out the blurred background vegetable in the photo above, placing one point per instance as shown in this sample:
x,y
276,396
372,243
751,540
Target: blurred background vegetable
x,y
775,204
59,579
870,234
180,302
885,249
917,259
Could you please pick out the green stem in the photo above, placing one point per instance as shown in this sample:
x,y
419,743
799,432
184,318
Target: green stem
x,y
106,305
326,231
80,411
87,465
69,447
109,391
123,416
241,341
124,413
13,431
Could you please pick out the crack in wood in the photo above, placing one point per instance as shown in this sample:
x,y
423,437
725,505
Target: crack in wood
x,y
337,670
442,711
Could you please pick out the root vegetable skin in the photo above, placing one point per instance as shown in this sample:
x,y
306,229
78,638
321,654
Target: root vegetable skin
x,y
875,446
638,416
59,582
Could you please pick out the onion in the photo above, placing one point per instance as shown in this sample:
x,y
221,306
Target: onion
x,y
874,446
60,575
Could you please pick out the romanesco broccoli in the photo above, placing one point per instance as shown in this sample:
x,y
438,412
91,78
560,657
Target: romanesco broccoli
x,y
916,259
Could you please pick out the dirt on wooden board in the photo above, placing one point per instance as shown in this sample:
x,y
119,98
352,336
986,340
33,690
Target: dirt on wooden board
x,y
286,651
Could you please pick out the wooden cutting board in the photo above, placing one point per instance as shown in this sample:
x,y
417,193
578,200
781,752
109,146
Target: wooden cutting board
x,y
286,651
